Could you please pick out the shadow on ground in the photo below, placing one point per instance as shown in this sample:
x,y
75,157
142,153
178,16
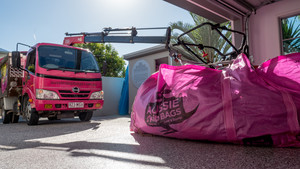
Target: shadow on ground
x,y
174,153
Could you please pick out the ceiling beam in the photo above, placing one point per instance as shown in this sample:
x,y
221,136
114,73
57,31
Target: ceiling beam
x,y
209,9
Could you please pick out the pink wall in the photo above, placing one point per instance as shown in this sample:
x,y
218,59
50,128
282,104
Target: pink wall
x,y
264,31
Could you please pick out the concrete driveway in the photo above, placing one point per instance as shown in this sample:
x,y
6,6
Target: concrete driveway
x,y
106,142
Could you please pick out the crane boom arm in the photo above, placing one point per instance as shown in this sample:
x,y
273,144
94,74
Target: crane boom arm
x,y
109,35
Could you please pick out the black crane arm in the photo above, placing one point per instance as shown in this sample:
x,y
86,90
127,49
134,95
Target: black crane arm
x,y
118,35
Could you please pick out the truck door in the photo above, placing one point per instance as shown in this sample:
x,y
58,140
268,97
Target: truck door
x,y
28,83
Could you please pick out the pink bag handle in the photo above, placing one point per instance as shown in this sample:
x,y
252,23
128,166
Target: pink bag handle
x,y
292,116
228,112
291,109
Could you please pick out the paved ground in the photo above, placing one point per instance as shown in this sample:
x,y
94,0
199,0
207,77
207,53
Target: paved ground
x,y
106,142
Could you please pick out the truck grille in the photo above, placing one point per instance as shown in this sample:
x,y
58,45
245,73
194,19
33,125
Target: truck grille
x,y
70,94
74,95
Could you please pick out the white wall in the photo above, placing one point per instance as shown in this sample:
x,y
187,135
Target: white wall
x,y
112,88
150,59
264,29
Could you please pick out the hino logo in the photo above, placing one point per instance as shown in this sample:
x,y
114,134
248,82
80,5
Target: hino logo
x,y
76,90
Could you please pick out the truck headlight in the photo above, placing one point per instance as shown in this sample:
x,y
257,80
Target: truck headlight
x,y
46,94
97,95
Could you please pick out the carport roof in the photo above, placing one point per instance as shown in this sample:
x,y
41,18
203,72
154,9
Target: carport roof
x,y
221,10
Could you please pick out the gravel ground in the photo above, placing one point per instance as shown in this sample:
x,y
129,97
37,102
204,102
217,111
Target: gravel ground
x,y
106,142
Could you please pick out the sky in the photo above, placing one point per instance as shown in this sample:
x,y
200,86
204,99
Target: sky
x,y
34,21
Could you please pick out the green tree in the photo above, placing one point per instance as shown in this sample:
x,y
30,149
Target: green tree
x,y
291,34
204,35
115,65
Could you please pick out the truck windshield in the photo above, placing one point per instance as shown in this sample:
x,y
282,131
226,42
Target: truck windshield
x,y
60,58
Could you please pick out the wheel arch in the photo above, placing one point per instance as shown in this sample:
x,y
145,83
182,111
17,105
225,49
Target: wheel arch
x,y
30,95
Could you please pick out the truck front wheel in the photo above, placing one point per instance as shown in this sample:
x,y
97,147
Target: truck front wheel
x,y
32,117
86,116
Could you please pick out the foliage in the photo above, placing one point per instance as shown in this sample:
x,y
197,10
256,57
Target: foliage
x,y
31,68
204,35
106,53
291,34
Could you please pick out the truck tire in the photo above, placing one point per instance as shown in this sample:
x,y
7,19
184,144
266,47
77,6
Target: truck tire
x,y
31,115
6,117
86,116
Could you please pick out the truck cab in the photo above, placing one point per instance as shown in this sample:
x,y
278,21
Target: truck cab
x,y
60,82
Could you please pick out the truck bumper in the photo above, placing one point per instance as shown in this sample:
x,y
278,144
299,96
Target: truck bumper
x,y
67,105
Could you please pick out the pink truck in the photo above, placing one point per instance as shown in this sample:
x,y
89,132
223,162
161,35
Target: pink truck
x,y
52,81
60,81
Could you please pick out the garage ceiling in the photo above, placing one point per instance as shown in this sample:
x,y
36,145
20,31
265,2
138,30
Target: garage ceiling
x,y
222,10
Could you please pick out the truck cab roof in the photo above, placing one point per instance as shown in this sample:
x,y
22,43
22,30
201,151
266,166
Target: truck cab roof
x,y
52,44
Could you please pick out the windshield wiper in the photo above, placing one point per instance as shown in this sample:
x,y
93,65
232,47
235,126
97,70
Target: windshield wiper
x,y
72,70
58,68
94,70
78,71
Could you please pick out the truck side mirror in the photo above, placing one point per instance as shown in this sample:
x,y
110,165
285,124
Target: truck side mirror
x,y
16,59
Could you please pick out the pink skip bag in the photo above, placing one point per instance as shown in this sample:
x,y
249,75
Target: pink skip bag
x,y
234,105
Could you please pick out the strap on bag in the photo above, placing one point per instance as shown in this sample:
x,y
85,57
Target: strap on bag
x,y
227,107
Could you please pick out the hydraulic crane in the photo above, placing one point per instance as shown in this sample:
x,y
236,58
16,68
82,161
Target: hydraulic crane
x,y
117,35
